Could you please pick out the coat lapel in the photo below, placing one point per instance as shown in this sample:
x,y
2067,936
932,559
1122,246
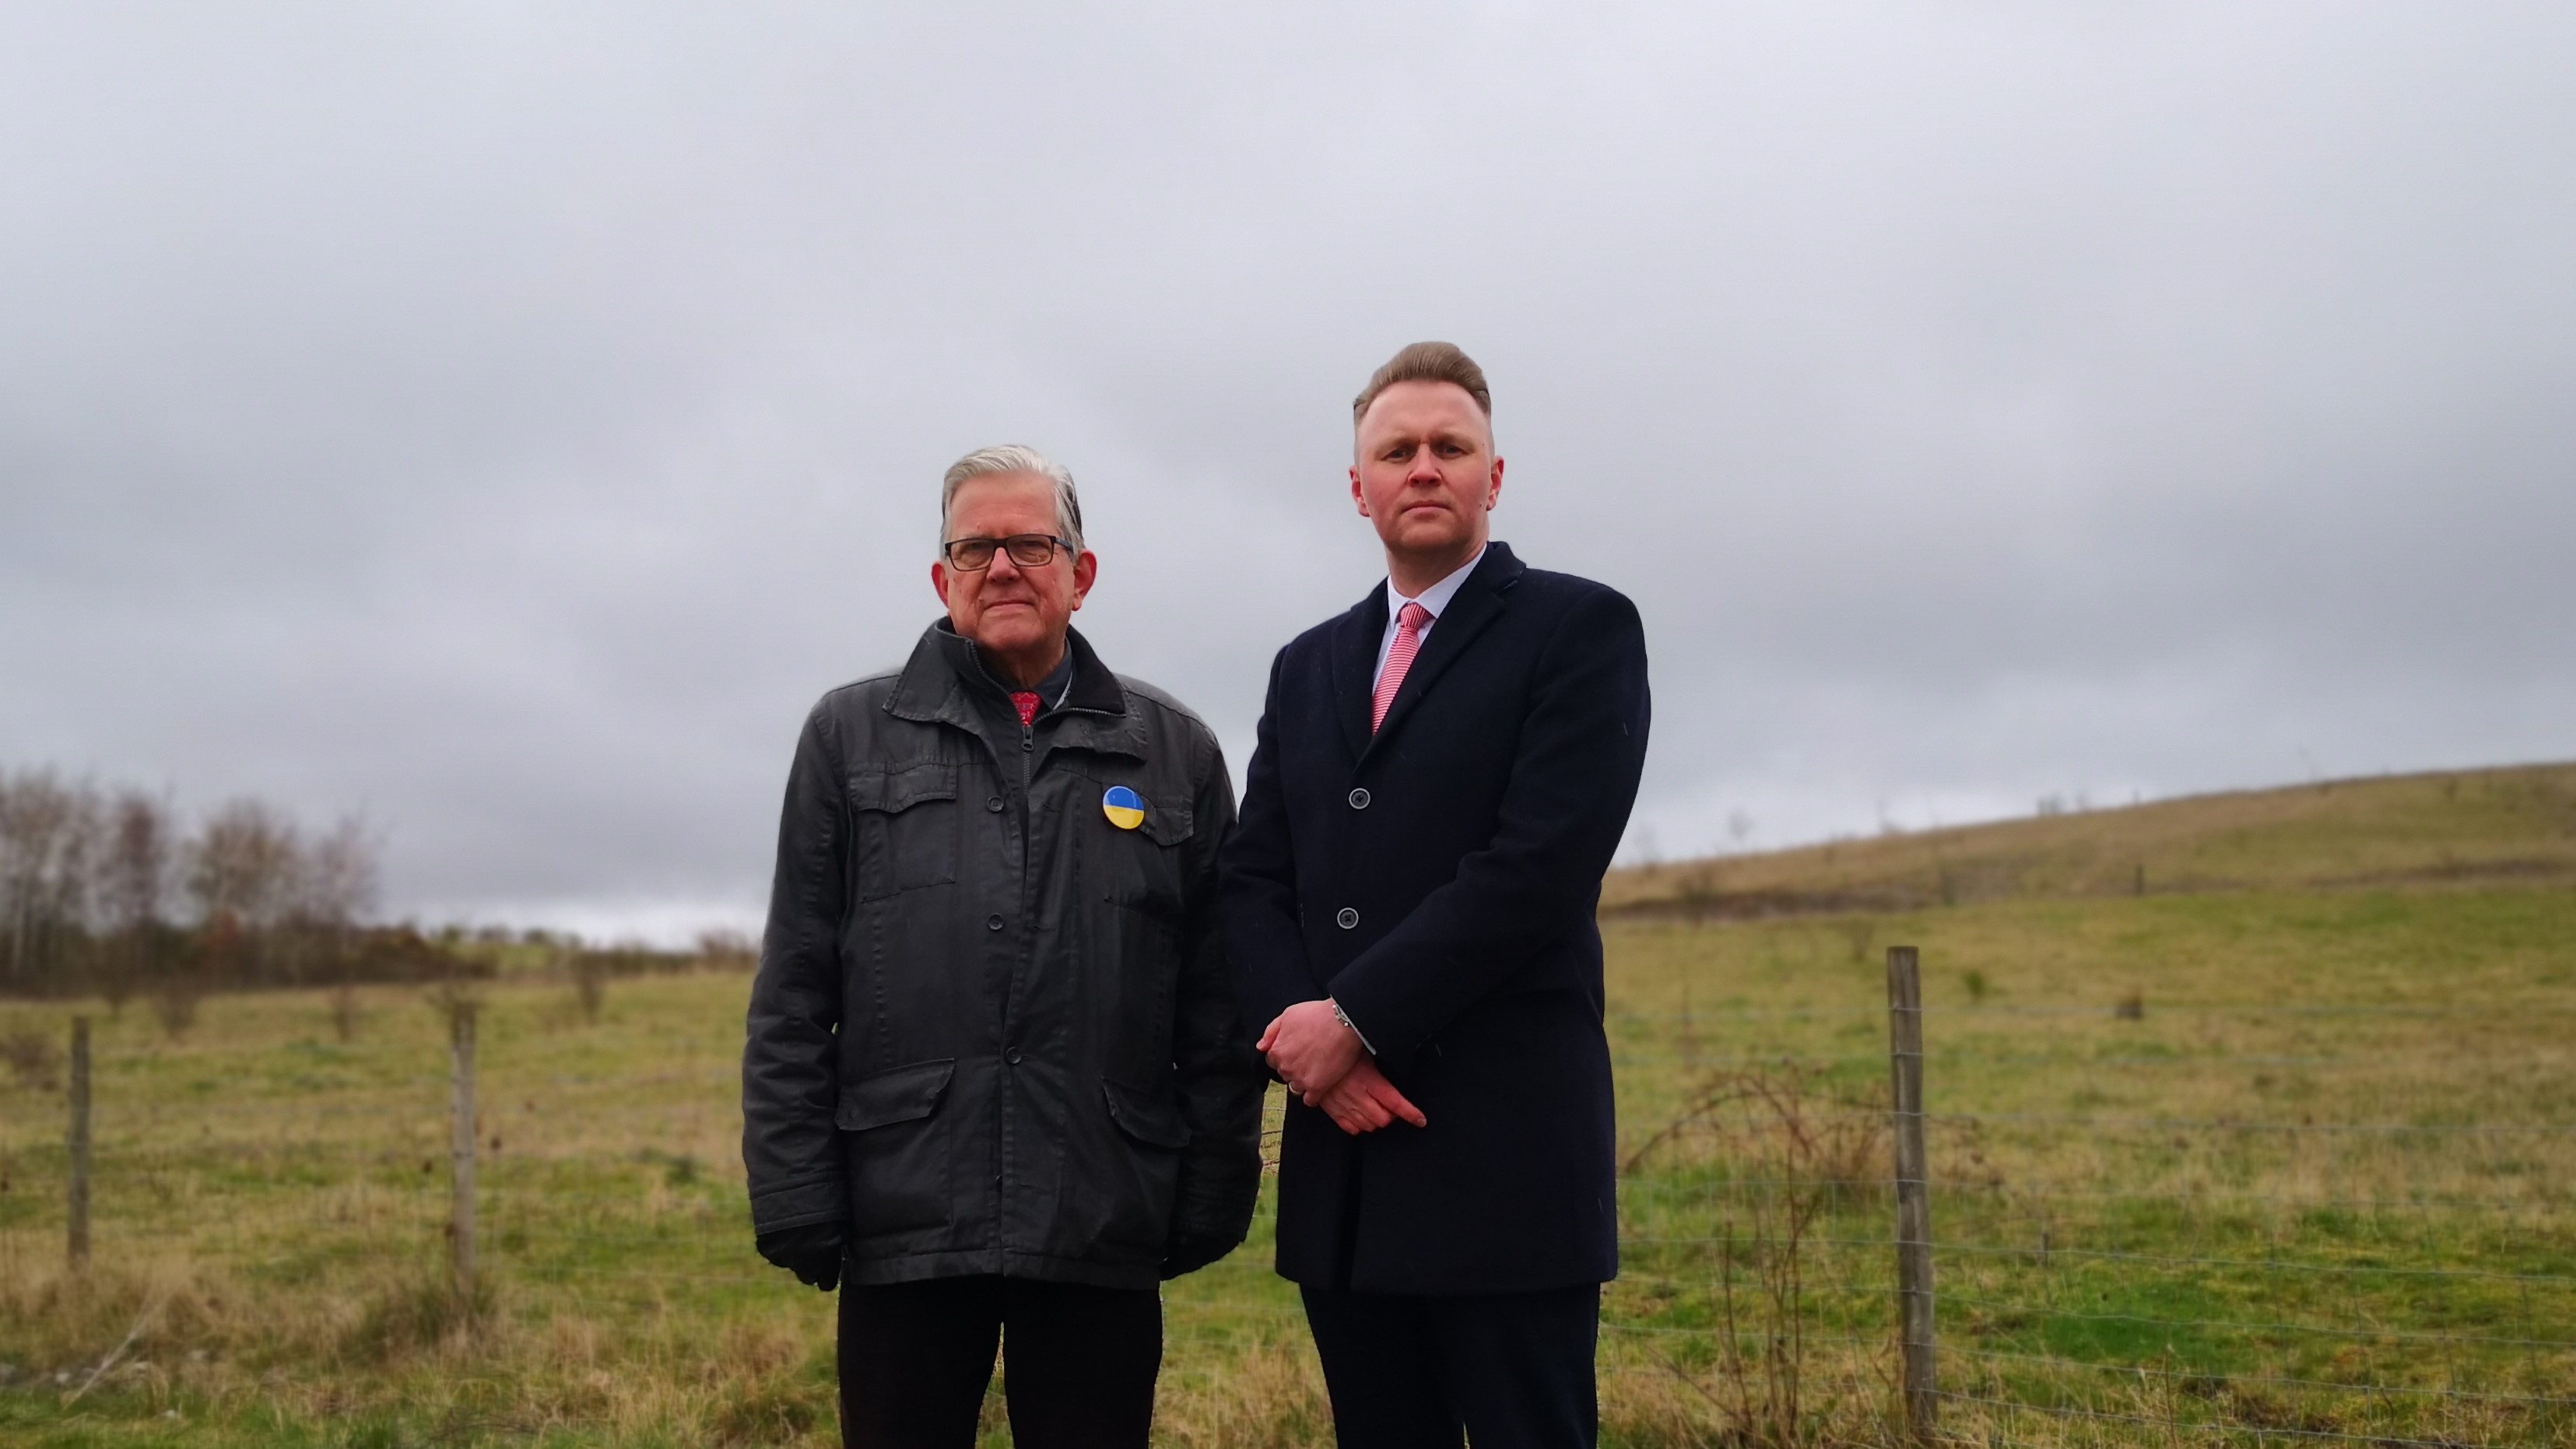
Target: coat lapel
x,y
1479,603
1355,667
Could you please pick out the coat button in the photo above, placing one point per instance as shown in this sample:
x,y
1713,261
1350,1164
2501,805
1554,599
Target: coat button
x,y
1012,1056
992,923
994,804
1359,799
1346,918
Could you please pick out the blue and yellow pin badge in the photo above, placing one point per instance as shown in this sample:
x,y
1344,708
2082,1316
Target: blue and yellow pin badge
x,y
1124,807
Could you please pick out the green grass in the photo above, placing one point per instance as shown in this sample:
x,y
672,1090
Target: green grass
x,y
2301,1188
2263,1177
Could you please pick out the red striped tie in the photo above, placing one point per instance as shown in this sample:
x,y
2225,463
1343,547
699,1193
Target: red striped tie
x,y
1399,658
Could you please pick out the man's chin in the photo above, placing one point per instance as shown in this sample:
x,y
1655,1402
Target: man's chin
x,y
1429,533
1017,632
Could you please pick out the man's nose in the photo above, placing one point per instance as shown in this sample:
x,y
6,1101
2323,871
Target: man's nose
x,y
1425,469
1002,569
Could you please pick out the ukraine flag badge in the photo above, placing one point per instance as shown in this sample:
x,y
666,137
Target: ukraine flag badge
x,y
1124,807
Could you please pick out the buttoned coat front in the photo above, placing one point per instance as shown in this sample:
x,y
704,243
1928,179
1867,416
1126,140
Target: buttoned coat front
x,y
1440,879
992,1030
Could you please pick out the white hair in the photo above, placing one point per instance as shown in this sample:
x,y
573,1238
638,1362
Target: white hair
x,y
1013,458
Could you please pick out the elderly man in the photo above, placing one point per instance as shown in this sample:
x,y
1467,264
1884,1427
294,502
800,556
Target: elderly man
x,y
995,1082
1441,776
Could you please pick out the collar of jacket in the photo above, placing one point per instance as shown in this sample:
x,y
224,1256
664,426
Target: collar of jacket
x,y
1477,603
1495,573
944,680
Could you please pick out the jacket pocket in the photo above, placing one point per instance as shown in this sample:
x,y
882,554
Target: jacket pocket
x,y
1121,1195
1144,867
1149,1117
898,1156
907,828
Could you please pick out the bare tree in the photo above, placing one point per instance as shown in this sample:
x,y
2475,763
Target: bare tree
x,y
28,822
243,870
48,836
341,875
110,891
238,864
132,891
71,927
338,888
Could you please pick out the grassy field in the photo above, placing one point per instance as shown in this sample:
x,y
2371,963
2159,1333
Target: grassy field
x,y
2286,1144
2508,826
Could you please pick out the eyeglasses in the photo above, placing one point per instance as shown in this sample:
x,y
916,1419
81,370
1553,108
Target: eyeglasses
x,y
1028,550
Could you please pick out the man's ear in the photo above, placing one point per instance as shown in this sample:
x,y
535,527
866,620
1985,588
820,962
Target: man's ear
x,y
1494,487
1356,495
1085,569
939,581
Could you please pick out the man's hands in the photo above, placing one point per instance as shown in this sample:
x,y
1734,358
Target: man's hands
x,y
1309,1049
1325,1063
812,1252
1364,1100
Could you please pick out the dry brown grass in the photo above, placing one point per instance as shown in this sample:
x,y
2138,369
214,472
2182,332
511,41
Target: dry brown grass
x,y
225,1352
1267,1395
2508,825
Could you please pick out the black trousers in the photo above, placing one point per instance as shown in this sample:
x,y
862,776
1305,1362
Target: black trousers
x,y
1510,1370
1078,1363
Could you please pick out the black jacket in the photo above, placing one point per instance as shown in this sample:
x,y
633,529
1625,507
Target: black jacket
x,y
992,1029
1440,881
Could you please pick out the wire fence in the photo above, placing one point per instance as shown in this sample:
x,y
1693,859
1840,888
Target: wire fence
x,y
2243,1223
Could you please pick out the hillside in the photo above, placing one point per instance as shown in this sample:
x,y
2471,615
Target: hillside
x,y
2218,1164
2515,824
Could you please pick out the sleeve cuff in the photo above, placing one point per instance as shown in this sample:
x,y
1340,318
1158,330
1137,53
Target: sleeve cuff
x,y
819,1201
1344,1018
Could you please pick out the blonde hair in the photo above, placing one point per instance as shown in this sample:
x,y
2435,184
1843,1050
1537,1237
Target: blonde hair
x,y
1426,362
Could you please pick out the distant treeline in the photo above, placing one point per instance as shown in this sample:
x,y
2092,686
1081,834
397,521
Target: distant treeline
x,y
114,893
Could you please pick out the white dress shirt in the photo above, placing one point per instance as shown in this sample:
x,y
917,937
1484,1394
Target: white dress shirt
x,y
1434,599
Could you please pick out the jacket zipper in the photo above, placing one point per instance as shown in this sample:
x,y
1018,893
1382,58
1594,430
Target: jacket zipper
x,y
1028,763
1004,1100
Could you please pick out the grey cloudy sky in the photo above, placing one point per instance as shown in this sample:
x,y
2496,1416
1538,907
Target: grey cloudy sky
x,y
507,419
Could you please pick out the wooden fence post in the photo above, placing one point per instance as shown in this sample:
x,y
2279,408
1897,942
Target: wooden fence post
x,y
1913,1191
460,1154
79,1144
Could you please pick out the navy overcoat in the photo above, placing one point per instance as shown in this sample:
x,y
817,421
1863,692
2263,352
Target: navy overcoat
x,y
1440,880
